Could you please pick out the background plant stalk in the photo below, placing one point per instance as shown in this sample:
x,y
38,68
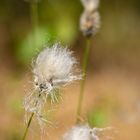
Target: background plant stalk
x,y
82,84
34,24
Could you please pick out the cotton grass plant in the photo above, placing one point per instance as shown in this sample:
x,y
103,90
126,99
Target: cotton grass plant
x,y
53,69
90,18
34,23
84,132
56,67
89,25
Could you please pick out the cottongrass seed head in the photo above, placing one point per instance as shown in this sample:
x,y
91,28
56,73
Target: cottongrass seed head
x,y
84,132
54,67
90,23
90,19
90,5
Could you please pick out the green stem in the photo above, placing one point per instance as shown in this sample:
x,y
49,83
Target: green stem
x,y
82,84
30,120
34,22
28,125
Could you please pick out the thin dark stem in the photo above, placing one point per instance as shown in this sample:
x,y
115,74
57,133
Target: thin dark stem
x,y
82,85
30,120
28,125
34,22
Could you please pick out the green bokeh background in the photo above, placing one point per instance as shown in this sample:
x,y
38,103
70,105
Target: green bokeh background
x,y
116,46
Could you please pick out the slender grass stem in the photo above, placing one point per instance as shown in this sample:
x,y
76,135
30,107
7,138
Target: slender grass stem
x,y
82,84
34,22
30,120
28,125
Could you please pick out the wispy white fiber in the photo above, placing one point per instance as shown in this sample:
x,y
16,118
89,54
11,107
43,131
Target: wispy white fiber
x,y
84,132
90,5
53,68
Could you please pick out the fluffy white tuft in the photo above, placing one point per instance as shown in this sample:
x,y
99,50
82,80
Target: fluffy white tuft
x,y
54,67
84,132
90,5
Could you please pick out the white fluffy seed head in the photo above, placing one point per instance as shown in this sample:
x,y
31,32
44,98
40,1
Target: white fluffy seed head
x,y
84,132
90,5
78,133
54,67
90,23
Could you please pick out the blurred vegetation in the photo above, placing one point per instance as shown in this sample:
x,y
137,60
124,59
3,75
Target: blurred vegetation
x,y
117,44
56,23
97,117
59,21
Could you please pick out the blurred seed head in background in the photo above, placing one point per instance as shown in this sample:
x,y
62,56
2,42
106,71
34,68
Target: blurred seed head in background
x,y
90,5
90,19
90,23
85,132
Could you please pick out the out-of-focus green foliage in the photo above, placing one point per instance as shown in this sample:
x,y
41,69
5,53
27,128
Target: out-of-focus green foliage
x,y
97,117
65,30
59,20
14,135
27,49
15,105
